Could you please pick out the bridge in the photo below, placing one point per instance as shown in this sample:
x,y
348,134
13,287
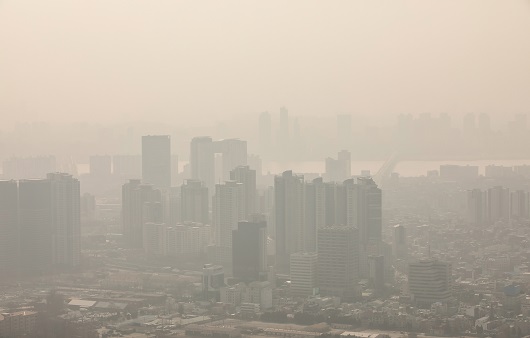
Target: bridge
x,y
386,170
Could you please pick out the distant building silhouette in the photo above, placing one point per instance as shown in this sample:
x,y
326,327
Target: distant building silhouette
x,y
141,203
9,239
249,251
303,273
195,202
156,160
338,262
430,281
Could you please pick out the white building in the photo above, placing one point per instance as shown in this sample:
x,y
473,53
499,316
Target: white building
x,y
303,268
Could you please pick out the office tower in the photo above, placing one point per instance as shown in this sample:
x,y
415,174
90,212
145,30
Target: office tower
x,y
364,203
430,281
399,243
289,217
195,202
226,214
255,163
476,207
340,169
213,279
247,177
344,130
498,204
265,130
202,161
338,262
377,273
30,167
249,251
141,203
156,160
9,248
519,201
127,166
35,225
234,154
66,220
100,165
303,271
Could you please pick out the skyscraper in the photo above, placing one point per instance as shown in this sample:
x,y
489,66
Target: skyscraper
x,y
338,262
156,160
364,202
498,204
141,203
247,177
195,202
340,169
476,207
9,248
35,225
226,214
249,251
289,217
234,154
66,220
202,160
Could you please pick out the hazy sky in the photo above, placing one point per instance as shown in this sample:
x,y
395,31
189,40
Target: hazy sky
x,y
184,61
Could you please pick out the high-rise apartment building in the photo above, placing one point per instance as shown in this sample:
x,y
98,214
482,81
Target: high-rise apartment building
x,y
430,281
247,177
249,251
338,262
35,225
9,248
364,203
141,203
66,220
234,154
195,202
498,204
156,160
202,160
520,204
203,163
303,272
289,211
226,214
476,207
